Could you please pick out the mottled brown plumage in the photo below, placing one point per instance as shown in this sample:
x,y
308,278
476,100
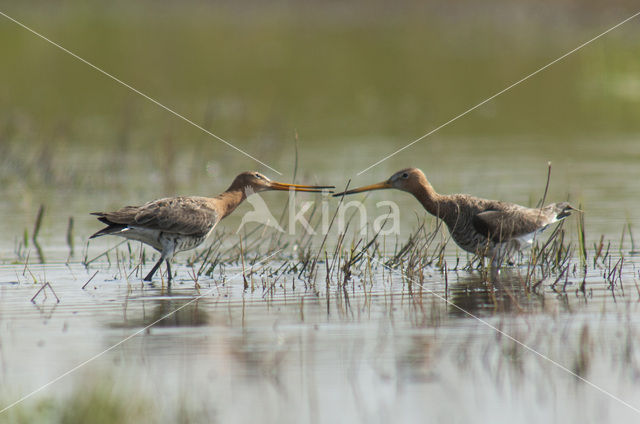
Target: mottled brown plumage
x,y
175,224
489,228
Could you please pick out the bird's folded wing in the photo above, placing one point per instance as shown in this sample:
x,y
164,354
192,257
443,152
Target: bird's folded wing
x,y
180,215
500,225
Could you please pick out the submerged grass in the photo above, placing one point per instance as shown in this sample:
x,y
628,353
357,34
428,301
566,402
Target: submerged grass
x,y
344,273
349,263
356,265
97,401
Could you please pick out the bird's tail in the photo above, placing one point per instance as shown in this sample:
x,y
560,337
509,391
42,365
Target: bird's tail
x,y
111,228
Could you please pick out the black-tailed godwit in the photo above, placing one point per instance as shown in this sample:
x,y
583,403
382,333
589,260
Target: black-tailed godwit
x,y
489,228
175,224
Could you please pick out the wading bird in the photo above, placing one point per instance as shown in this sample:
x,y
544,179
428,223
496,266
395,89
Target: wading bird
x,y
489,228
175,224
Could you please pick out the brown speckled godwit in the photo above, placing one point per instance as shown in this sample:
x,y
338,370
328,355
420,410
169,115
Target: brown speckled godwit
x,y
489,228
175,224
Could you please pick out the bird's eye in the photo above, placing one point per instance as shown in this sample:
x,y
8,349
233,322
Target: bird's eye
x,y
405,175
258,175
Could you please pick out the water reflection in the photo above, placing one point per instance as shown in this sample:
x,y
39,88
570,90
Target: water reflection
x,y
416,361
263,357
473,293
46,311
163,311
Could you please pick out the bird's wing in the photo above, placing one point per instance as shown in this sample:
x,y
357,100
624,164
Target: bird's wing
x,y
180,215
504,224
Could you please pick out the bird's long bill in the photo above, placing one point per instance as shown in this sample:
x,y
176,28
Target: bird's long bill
x,y
378,186
298,187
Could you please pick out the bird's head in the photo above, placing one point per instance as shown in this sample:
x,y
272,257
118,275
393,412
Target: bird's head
x,y
409,179
256,182
563,209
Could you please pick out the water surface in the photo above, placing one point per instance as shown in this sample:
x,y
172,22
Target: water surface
x,y
354,87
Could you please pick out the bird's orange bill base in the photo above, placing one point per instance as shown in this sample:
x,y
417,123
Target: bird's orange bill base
x,y
378,186
298,187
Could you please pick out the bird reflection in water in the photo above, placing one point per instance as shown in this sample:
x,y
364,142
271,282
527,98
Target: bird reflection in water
x,y
471,293
166,311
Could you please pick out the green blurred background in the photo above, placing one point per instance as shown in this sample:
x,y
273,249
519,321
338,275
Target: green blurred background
x,y
356,80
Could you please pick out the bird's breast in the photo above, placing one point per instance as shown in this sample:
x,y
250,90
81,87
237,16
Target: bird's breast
x,y
181,242
472,241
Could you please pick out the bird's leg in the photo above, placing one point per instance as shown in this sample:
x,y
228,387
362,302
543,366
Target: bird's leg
x,y
169,270
494,270
153,270
496,263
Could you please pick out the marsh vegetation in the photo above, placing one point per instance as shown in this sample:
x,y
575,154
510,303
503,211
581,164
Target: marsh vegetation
x,y
347,327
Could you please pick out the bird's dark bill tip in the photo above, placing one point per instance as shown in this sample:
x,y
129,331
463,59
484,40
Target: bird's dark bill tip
x,y
345,193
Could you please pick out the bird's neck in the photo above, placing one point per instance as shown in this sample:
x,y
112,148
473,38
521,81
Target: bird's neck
x,y
433,202
229,200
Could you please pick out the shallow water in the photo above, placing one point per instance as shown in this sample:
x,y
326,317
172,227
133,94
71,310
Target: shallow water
x,y
290,349
380,353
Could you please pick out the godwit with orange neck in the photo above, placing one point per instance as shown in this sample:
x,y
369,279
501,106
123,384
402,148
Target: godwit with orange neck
x,y
489,228
176,224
